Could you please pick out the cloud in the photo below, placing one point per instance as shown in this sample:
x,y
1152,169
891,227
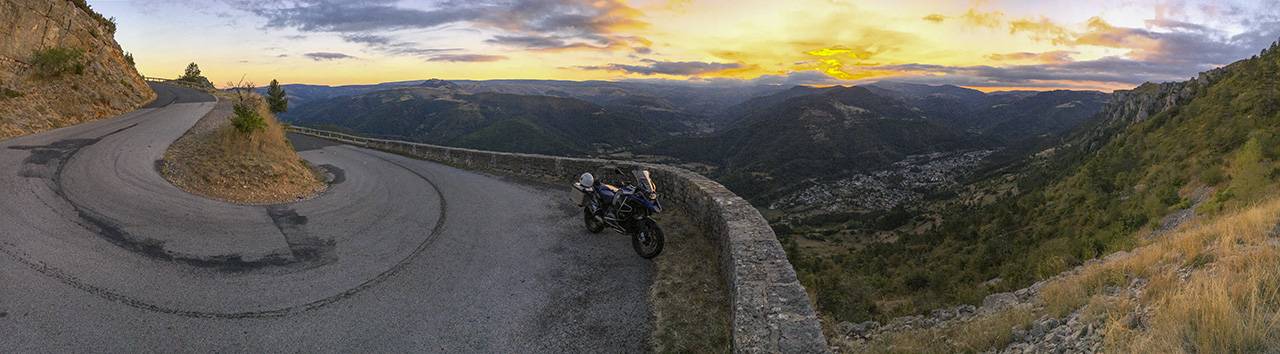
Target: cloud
x,y
352,16
790,78
554,44
319,56
367,39
1057,56
985,19
1107,71
576,24
936,18
475,58
1162,41
1041,29
678,68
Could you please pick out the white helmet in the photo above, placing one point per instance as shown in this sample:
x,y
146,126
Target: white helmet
x,y
587,180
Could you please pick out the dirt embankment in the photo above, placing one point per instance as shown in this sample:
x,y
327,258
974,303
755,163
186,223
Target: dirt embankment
x,y
60,65
216,160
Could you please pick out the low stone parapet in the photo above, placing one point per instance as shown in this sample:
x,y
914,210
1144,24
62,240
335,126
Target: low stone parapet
x,y
771,310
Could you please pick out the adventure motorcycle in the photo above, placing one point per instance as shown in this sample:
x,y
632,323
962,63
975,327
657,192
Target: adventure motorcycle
x,y
626,210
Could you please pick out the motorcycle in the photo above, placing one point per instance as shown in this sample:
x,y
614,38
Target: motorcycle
x,y
627,210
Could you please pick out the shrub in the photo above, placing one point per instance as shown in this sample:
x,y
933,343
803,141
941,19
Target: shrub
x,y
1211,175
247,118
6,92
55,61
109,23
128,58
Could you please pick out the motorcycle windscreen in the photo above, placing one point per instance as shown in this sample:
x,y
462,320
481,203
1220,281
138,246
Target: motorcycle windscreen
x,y
643,181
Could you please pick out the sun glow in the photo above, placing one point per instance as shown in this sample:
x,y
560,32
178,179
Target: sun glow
x,y
985,44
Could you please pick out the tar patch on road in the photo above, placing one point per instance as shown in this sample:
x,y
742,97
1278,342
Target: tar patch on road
x,y
339,175
305,248
46,163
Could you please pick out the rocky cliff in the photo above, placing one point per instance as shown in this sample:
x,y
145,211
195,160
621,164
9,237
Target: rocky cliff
x,y
60,65
1131,107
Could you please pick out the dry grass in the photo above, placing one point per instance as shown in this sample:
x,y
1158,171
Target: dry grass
x,y
688,295
969,337
217,161
1210,289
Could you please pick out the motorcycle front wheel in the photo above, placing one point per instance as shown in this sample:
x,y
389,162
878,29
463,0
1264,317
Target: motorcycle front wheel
x,y
594,225
647,239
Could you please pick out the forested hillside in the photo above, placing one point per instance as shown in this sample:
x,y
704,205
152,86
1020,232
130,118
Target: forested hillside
x,y
491,121
1198,147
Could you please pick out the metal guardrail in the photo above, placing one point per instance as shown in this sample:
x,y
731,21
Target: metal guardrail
x,y
178,82
349,139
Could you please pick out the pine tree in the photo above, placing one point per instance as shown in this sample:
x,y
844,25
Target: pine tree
x,y
276,98
192,74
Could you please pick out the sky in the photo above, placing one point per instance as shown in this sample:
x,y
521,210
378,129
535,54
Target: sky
x,y
986,45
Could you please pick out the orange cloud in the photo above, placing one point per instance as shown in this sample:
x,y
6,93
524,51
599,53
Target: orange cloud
x,y
1100,33
936,18
1040,30
840,50
985,19
1059,56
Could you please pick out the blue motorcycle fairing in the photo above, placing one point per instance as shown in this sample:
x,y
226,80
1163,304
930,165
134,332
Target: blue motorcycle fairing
x,y
654,206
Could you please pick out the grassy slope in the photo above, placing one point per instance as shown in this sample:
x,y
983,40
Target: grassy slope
x,y
217,161
1210,289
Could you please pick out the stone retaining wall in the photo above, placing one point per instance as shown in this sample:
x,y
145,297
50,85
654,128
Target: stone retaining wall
x,y
771,311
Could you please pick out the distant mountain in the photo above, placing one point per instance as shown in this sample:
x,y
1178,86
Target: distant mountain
x,y
1017,116
695,100
301,94
841,130
732,115
1005,115
672,109
490,121
961,94
440,84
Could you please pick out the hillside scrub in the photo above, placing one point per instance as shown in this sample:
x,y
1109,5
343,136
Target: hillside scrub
x,y
55,61
1210,288
219,160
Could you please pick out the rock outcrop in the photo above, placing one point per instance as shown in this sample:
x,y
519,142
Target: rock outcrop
x,y
100,83
1131,107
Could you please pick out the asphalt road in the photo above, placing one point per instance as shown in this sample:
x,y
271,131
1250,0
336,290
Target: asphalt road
x,y
98,253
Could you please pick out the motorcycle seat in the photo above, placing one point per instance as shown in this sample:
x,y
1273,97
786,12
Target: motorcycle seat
x,y
607,191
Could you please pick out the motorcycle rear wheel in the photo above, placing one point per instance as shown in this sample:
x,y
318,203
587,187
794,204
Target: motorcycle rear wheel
x,y
647,239
593,225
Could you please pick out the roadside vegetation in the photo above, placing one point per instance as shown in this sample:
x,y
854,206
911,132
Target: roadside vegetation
x,y
1210,288
52,62
688,295
238,153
